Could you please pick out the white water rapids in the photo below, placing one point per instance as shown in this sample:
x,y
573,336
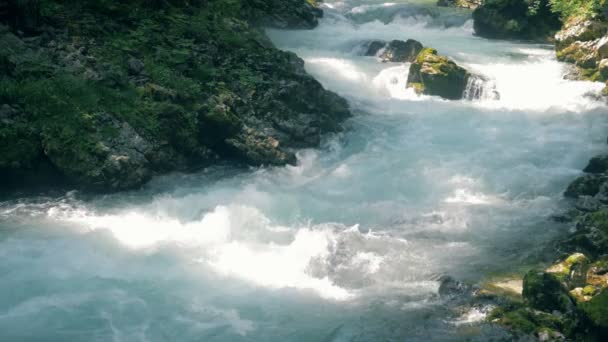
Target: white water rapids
x,y
346,246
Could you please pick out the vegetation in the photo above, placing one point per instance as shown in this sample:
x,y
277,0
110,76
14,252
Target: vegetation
x,y
108,92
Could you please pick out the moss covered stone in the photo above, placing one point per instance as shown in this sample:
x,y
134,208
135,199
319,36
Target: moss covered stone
x,y
544,291
432,74
519,19
111,93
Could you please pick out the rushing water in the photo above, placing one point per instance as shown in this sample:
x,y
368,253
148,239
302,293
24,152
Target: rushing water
x,y
348,245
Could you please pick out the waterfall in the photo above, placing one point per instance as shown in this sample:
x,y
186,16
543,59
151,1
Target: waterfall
x,y
480,88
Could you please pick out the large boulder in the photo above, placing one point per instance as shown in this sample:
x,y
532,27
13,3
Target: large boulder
x,y
436,75
579,29
587,185
515,19
596,310
544,291
400,51
597,164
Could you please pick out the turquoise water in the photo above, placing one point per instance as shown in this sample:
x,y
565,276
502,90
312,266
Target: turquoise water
x,y
346,246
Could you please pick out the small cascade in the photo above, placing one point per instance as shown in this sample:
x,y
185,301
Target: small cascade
x,y
480,88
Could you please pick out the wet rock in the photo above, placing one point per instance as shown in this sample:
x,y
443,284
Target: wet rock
x,y
135,66
400,51
373,47
587,204
572,271
432,74
544,291
597,164
450,287
587,185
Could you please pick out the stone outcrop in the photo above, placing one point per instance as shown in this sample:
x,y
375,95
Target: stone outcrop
x,y
516,19
432,74
108,109
584,42
400,51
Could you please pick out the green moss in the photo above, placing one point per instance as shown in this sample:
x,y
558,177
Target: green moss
x,y
525,320
597,309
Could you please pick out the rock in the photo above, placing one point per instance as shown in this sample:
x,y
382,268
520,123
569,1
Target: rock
x,y
510,287
587,185
602,194
587,204
527,321
596,309
432,74
135,66
468,4
603,68
373,47
514,19
543,291
597,274
286,14
597,164
450,287
581,54
591,235
101,160
581,30
400,51
602,47
572,271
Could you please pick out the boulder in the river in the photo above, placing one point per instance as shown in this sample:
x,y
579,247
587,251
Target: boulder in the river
x,y
516,19
544,291
373,47
597,164
587,185
401,51
432,74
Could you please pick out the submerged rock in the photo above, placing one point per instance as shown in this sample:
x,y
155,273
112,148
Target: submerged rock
x,y
400,51
432,74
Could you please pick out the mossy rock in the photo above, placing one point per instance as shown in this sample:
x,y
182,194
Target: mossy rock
x,y
571,271
432,74
587,185
526,320
516,19
596,310
544,291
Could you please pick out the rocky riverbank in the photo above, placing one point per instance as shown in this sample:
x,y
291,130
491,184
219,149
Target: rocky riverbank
x,y
568,299
102,95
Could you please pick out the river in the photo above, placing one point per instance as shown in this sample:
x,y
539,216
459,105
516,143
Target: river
x,y
350,244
